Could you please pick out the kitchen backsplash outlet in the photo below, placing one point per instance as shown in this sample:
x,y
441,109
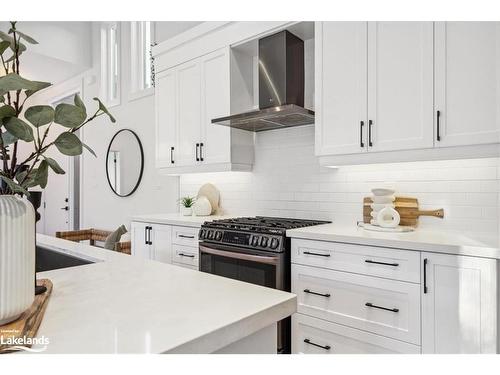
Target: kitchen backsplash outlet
x,y
287,181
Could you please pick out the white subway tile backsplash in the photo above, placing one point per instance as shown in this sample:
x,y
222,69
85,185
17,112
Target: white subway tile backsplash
x,y
288,181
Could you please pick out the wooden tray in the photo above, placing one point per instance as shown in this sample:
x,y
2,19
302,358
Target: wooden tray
x,y
28,323
407,208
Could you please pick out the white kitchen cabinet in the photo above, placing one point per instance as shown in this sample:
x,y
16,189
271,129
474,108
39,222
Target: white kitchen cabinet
x,y
400,85
140,241
341,87
459,304
188,97
467,87
152,241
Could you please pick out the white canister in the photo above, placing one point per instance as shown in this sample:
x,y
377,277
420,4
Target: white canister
x,y
202,206
17,257
388,217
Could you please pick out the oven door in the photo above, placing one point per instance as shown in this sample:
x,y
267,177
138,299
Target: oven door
x,y
252,266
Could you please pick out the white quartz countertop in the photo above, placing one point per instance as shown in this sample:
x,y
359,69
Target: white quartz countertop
x,y
125,304
177,219
420,239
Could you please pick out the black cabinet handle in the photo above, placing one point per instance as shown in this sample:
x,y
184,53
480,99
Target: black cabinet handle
x,y
425,276
186,255
146,242
172,155
370,124
383,263
201,151
369,304
317,254
361,143
327,295
149,235
184,236
197,157
438,130
326,347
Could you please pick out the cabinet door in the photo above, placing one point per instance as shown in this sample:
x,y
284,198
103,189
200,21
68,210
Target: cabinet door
x,y
140,240
400,85
459,313
215,98
189,113
166,118
162,243
340,97
467,69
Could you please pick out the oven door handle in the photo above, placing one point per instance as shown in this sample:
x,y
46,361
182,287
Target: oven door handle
x,y
240,256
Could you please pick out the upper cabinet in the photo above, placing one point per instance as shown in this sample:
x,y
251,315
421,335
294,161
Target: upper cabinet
x,y
188,97
467,83
422,89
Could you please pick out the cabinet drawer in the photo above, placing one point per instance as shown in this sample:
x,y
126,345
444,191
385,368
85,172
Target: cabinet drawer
x,y
316,336
385,307
185,255
187,236
367,260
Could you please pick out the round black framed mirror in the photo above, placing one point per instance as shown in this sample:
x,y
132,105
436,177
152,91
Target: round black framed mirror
x,y
124,162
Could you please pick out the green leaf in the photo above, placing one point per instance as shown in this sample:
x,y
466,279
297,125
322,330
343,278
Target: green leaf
x,y
26,37
21,47
39,115
18,128
68,144
89,149
21,175
8,138
14,187
14,82
42,174
54,165
4,44
103,108
69,115
7,111
79,103
37,86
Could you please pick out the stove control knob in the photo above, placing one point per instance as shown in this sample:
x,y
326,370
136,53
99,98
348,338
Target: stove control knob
x,y
255,241
218,236
210,235
274,243
263,241
202,234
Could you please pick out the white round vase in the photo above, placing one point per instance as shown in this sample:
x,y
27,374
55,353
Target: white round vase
x,y
17,257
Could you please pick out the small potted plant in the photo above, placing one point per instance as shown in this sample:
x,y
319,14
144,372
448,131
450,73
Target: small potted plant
x,y
187,205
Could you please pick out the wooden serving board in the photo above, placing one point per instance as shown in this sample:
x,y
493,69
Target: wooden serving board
x,y
28,323
407,208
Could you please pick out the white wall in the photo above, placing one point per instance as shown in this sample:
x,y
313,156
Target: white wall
x,y
288,181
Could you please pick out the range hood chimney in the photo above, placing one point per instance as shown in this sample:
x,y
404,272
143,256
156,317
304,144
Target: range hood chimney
x,y
281,87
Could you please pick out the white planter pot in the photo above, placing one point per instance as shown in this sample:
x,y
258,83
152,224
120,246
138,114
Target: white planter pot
x,y
17,257
187,211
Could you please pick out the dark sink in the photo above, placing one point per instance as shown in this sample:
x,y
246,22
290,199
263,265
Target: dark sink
x,y
47,260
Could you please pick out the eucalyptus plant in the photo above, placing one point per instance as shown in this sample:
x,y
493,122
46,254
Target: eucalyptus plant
x,y
20,123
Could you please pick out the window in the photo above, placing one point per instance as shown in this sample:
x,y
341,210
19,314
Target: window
x,y
110,63
141,39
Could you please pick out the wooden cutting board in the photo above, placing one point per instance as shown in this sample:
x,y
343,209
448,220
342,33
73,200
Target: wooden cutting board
x,y
407,208
29,322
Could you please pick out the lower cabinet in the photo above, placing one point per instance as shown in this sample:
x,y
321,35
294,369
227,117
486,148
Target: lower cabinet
x,y
459,304
176,245
316,336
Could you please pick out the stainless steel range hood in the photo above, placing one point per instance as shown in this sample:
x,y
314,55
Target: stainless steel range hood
x,y
281,87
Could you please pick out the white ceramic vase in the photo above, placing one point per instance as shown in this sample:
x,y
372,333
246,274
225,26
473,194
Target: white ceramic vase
x,y
17,257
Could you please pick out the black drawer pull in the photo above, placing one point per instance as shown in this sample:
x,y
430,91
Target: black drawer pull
x,y
383,263
318,254
327,295
369,304
361,143
438,128
326,347
184,236
186,255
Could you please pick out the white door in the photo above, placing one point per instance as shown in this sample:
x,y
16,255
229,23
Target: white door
x,y
141,236
467,87
400,85
189,113
459,297
341,87
166,118
215,89
162,243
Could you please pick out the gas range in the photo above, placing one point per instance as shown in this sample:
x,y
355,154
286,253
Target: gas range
x,y
259,232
